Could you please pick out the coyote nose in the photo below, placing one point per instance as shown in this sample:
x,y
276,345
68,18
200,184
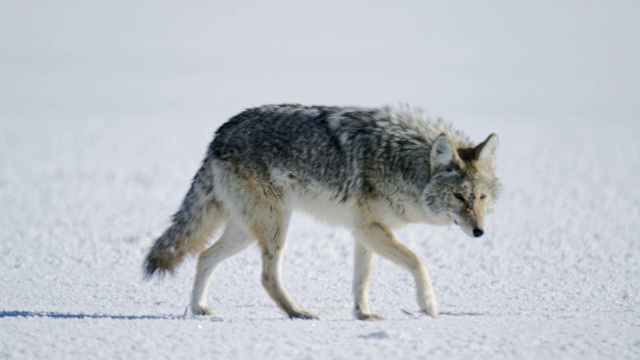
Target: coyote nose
x,y
477,232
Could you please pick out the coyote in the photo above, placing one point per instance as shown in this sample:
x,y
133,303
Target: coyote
x,y
370,169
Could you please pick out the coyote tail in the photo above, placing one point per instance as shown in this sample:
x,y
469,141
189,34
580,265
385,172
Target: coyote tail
x,y
191,226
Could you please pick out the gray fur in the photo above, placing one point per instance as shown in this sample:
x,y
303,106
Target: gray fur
x,y
372,169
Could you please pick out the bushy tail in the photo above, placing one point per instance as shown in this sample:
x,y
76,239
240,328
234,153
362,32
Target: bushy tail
x,y
191,227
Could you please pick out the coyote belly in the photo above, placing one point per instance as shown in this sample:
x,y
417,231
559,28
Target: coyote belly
x,y
369,169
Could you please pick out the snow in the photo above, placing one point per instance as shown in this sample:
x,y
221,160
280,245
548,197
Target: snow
x,y
106,111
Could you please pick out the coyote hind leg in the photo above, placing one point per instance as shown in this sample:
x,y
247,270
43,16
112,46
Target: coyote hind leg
x,y
269,225
233,241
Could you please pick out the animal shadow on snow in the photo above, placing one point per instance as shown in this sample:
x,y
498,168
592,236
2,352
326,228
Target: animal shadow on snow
x,y
61,315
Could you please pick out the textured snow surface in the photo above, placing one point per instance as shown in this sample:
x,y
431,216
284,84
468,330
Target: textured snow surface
x,y
110,109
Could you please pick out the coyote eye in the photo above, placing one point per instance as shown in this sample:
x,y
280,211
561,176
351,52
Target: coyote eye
x,y
459,196
482,197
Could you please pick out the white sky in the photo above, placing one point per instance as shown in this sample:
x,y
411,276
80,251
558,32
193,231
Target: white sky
x,y
520,60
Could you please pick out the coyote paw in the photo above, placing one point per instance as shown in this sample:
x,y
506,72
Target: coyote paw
x,y
429,305
304,315
431,309
369,317
201,310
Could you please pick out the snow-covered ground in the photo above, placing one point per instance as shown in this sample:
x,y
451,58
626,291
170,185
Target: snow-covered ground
x,y
106,111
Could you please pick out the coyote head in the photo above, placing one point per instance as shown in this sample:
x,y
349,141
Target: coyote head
x,y
462,187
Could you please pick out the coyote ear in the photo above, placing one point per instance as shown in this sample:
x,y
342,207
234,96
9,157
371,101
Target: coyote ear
x,y
442,152
487,151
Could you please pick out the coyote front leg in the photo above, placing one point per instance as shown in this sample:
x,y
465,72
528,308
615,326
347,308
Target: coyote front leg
x,y
378,238
363,263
